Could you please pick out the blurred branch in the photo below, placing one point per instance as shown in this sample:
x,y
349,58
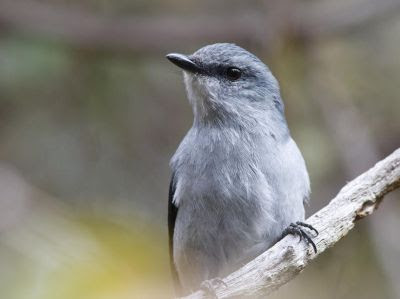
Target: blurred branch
x,y
324,18
138,34
84,30
287,258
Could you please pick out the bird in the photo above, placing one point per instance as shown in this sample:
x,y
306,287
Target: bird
x,y
239,181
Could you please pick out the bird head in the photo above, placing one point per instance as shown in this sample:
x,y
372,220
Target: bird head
x,y
226,85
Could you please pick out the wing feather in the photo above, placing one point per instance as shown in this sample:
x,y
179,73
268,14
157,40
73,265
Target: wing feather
x,y
172,213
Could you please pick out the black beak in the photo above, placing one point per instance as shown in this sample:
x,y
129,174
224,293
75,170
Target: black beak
x,y
184,62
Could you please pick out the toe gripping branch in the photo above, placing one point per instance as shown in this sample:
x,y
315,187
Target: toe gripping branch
x,y
298,229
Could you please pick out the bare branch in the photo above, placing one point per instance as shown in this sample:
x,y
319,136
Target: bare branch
x,y
84,30
325,18
287,258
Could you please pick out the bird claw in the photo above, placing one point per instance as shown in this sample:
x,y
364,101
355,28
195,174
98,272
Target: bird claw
x,y
298,229
209,286
310,227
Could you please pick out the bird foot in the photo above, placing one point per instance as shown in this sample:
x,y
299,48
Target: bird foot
x,y
209,286
298,229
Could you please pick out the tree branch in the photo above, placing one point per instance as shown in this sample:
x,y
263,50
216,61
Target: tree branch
x,y
287,258
326,18
136,34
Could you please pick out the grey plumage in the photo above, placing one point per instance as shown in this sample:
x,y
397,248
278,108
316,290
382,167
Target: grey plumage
x,y
238,177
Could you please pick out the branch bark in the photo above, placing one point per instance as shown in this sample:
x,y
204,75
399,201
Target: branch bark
x,y
286,259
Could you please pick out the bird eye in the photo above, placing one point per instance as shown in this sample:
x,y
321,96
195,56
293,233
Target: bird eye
x,y
233,73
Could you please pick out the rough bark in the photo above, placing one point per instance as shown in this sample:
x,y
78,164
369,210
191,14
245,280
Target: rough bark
x,y
281,263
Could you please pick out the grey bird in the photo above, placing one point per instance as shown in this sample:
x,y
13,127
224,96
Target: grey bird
x,y
239,181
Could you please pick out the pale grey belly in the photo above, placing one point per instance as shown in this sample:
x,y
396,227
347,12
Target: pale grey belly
x,y
214,236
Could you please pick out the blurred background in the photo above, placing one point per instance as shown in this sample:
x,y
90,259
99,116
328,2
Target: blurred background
x,y
91,112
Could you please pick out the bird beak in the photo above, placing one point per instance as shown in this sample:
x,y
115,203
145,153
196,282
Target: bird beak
x,y
184,62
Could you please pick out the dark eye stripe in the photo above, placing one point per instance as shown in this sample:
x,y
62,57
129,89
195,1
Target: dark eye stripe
x,y
225,71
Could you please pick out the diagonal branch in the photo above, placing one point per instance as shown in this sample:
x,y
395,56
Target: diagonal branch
x,y
287,258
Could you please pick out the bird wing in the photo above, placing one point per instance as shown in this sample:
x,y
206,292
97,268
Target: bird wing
x,y
172,213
